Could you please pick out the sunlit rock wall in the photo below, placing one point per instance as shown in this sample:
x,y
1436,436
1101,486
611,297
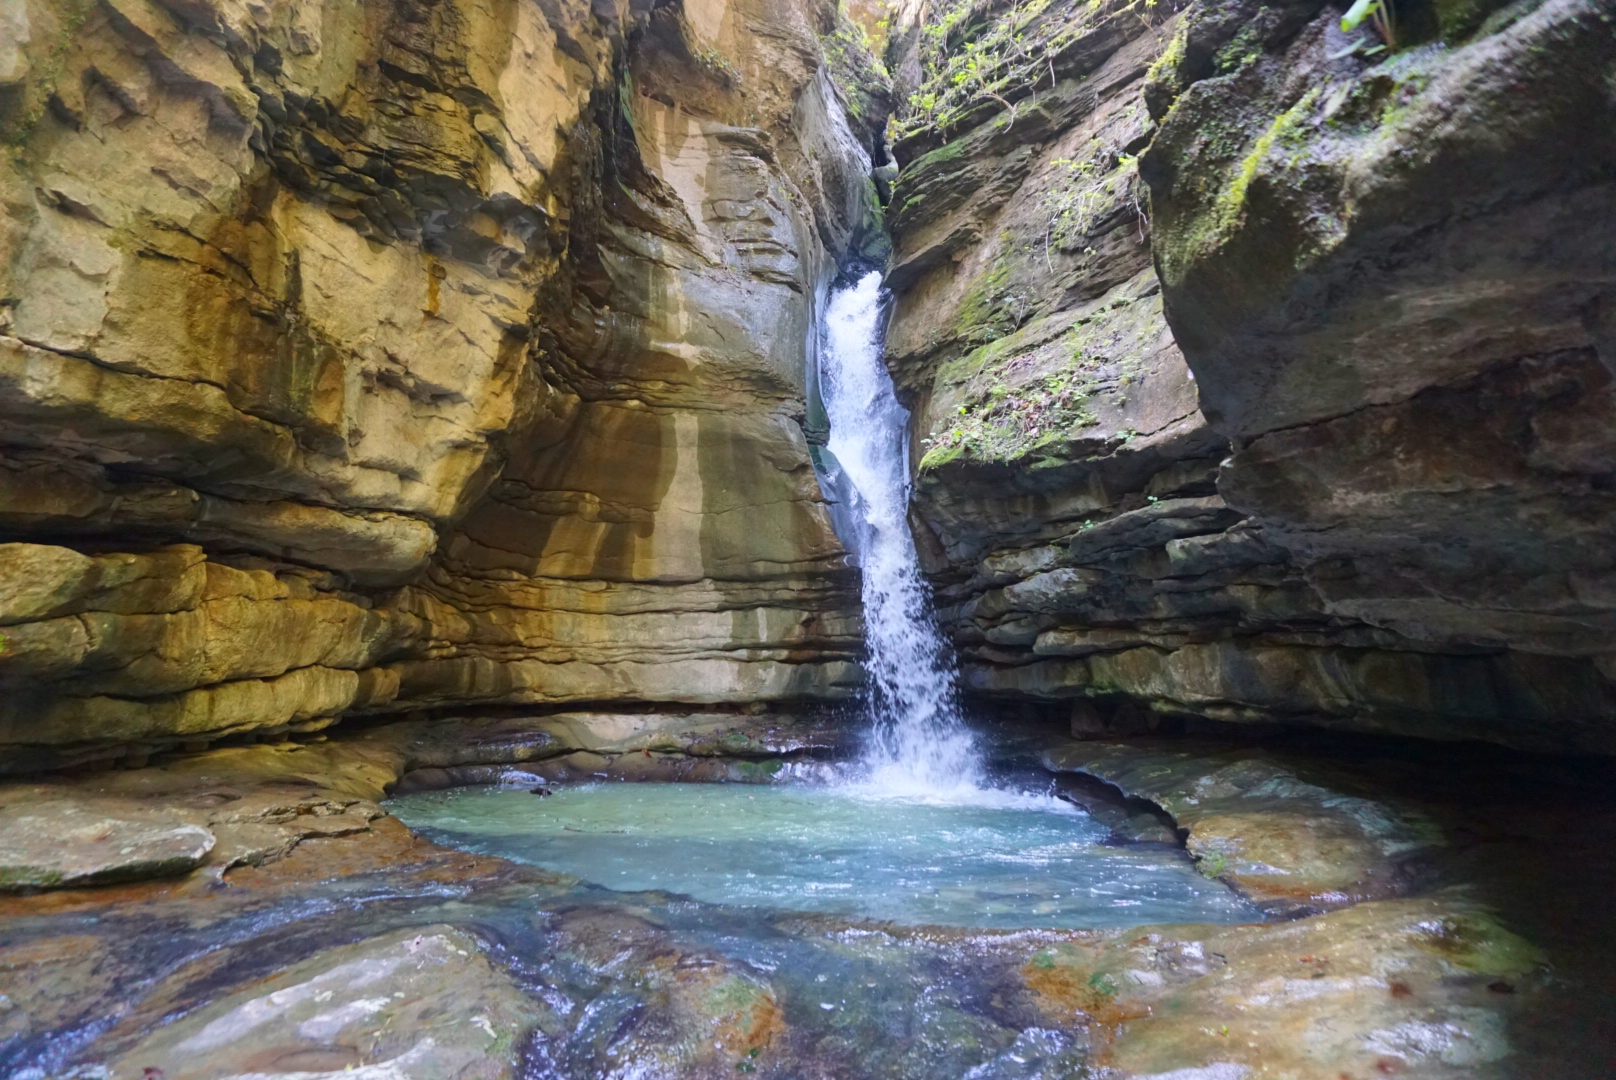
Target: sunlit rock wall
x,y
302,302
660,533
1258,380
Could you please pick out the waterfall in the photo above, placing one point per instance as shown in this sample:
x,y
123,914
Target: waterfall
x,y
918,744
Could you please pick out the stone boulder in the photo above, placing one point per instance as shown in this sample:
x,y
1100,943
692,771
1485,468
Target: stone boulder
x,y
421,1004
54,843
1293,839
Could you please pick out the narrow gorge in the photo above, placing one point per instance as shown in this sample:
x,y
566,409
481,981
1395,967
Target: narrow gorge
x,y
818,539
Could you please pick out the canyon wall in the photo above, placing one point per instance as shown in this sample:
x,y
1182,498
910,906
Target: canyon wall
x,y
1261,374
360,356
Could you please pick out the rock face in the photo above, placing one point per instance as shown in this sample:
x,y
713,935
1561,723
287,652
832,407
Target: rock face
x,y
361,357
1262,377
371,356
139,650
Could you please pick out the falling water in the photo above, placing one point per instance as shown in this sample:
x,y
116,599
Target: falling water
x,y
919,745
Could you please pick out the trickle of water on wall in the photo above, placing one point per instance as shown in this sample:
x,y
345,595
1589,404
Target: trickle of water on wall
x,y
919,744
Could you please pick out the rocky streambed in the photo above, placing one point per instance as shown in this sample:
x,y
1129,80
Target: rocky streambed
x,y
255,912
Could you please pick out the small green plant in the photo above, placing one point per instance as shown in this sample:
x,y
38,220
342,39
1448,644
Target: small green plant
x,y
719,65
1379,14
1007,424
973,52
854,61
1085,193
1212,864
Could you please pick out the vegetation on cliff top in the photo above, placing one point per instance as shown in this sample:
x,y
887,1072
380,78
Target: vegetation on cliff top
x,y
853,58
1001,52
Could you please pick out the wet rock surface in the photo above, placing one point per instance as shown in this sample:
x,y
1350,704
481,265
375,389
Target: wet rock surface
x,y
1421,988
1484,963
383,359
741,747
1284,833
413,1003
249,805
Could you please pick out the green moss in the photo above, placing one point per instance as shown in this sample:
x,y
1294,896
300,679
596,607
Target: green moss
x,y
944,153
1244,48
48,55
1229,208
1165,69
855,67
1103,983
975,53
758,771
941,454
1477,942
1009,424
1086,191
992,307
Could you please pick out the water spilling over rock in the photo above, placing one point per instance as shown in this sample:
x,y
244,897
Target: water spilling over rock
x,y
919,744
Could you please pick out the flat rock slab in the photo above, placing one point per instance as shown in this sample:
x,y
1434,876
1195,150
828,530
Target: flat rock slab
x,y
1426,989
410,1005
1276,832
54,843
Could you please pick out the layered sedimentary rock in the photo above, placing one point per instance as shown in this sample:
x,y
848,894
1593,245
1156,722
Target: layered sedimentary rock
x,y
130,651
375,356
659,533
1257,374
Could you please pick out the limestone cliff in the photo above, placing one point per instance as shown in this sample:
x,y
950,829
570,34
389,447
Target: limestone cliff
x,y
363,355
1260,371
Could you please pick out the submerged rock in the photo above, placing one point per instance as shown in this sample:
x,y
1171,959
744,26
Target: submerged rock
x,y
410,1005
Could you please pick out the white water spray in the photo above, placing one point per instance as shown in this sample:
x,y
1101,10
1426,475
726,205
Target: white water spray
x,y
919,746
